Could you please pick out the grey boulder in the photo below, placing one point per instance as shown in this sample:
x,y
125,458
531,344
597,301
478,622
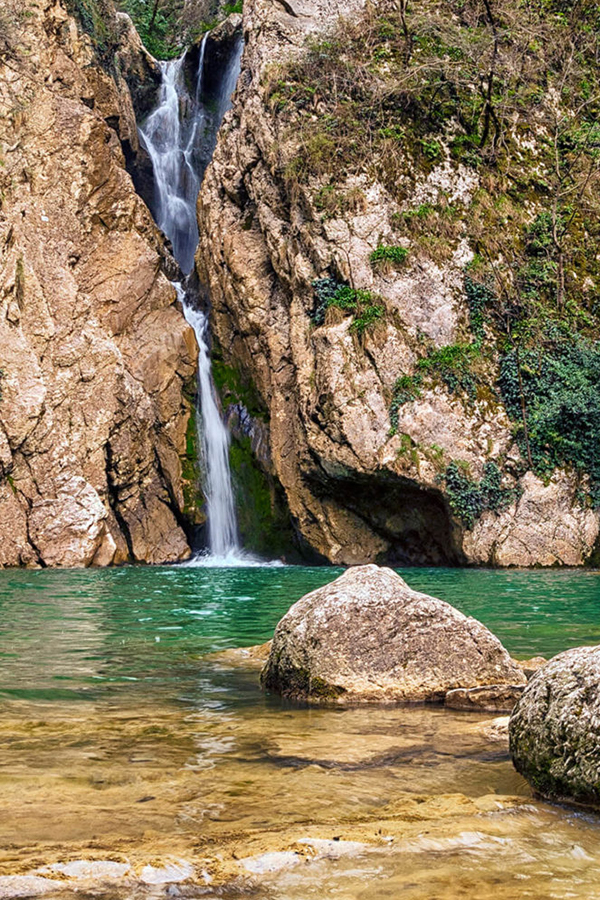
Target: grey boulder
x,y
368,637
555,728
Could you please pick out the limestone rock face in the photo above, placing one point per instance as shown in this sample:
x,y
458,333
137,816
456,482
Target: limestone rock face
x,y
555,728
356,492
94,349
368,637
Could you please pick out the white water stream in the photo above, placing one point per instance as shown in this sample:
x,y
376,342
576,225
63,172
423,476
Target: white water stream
x,y
179,136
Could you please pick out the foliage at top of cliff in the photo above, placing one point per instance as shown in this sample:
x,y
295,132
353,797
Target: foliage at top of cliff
x,y
167,27
510,90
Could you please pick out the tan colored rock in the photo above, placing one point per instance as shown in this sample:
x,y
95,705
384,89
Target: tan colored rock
x,y
531,666
489,698
497,730
94,348
357,493
368,637
243,657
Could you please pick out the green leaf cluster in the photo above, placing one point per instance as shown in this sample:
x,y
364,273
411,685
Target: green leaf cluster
x,y
331,294
388,254
469,498
560,388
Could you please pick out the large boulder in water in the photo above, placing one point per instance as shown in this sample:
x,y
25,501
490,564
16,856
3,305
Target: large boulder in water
x,y
368,637
555,728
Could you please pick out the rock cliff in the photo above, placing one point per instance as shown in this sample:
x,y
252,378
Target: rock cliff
x,y
367,469
94,350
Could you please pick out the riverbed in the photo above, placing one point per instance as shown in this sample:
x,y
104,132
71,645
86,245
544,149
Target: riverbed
x,y
128,736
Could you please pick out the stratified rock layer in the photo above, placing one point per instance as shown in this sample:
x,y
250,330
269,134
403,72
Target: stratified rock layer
x,y
357,493
368,637
555,728
94,349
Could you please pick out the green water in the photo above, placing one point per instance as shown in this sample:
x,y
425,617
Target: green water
x,y
102,633
126,735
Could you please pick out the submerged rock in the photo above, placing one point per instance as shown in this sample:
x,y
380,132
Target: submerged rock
x,y
13,886
497,729
93,869
272,861
367,636
555,728
243,657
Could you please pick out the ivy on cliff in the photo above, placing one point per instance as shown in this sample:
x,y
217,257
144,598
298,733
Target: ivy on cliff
x,y
469,498
553,395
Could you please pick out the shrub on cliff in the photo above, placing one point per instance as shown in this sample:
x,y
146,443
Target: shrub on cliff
x,y
364,307
507,95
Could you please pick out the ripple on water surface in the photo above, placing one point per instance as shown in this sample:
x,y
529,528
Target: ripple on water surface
x,y
123,736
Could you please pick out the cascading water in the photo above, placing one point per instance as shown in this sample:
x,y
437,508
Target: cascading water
x,y
214,441
179,137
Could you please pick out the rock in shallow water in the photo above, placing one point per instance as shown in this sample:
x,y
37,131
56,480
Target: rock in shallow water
x,y
490,698
531,666
16,886
368,637
555,728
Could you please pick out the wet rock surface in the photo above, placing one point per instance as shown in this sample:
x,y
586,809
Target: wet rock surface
x,y
491,698
94,347
368,637
555,728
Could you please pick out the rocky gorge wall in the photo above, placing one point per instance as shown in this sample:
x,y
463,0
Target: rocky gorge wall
x,y
94,349
358,488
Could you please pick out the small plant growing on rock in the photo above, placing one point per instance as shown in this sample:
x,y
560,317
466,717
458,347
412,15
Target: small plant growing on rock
x,y
368,315
406,389
325,290
330,294
386,257
452,364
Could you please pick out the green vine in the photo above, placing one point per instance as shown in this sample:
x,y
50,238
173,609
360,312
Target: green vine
x,y
469,499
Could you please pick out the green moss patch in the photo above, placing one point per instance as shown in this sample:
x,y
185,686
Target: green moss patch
x,y
263,515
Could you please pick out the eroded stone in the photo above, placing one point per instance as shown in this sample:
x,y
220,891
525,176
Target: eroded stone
x,y
555,728
368,637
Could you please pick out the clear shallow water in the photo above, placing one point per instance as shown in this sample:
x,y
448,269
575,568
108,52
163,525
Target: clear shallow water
x,y
123,736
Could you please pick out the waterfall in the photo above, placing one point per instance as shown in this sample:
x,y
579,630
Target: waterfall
x,y
214,441
179,136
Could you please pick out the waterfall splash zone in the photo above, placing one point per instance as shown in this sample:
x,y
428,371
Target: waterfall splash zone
x,y
179,136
